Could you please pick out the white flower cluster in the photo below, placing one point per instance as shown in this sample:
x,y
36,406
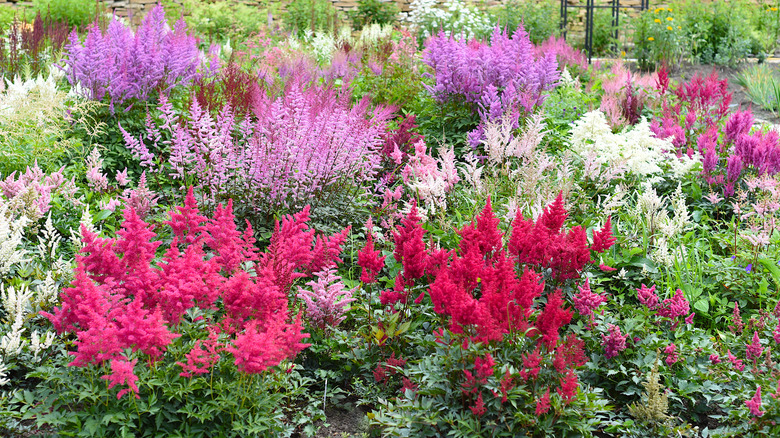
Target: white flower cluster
x,y
663,229
455,18
636,149
18,93
375,32
11,233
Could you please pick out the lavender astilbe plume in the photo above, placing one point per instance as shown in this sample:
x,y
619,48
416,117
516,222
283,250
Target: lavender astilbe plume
x,y
290,151
132,65
505,76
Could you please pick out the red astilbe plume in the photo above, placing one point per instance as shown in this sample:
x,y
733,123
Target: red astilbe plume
x,y
603,239
121,300
552,318
409,245
479,288
547,245
291,255
369,259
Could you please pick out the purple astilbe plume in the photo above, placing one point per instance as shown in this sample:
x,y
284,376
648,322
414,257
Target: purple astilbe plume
x,y
289,151
127,65
505,76
326,302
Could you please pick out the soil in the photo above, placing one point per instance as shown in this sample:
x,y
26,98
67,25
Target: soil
x,y
349,422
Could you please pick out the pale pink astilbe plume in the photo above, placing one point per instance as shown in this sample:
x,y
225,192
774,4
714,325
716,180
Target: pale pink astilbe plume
x,y
327,299
122,373
141,199
586,301
625,94
35,184
430,178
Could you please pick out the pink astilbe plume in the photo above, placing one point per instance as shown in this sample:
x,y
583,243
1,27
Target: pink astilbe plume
x,y
754,404
123,299
614,342
754,349
675,308
586,301
122,374
328,300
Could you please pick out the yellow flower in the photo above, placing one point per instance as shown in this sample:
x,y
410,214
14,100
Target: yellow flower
x,y
773,9
668,27
657,20
670,9
678,27
651,39
669,18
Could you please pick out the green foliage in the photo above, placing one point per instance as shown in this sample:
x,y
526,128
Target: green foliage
x,y
373,11
224,20
659,38
76,402
314,15
761,83
7,15
541,19
74,12
717,32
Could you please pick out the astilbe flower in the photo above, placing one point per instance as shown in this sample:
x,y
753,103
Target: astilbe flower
x,y
327,301
614,342
754,404
410,252
502,77
754,349
552,318
479,287
546,244
569,386
368,258
122,374
119,299
300,146
674,307
648,297
569,353
672,356
127,65
586,301
737,363
543,403
736,325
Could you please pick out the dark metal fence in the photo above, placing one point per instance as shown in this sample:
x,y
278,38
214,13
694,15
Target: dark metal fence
x,y
590,7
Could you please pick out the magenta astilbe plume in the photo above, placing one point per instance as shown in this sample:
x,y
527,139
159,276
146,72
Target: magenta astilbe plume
x,y
586,301
127,65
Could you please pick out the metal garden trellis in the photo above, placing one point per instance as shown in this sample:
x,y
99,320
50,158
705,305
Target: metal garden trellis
x,y
590,7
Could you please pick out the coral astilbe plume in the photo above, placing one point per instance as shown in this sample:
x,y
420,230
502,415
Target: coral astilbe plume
x,y
120,300
547,245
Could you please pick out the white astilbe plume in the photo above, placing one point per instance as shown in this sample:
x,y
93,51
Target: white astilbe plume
x,y
500,144
327,301
472,172
636,147
3,375
663,229
39,344
11,343
11,233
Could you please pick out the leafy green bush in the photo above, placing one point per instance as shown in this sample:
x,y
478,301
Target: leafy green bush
x,y
311,15
224,20
540,19
717,32
373,11
74,12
